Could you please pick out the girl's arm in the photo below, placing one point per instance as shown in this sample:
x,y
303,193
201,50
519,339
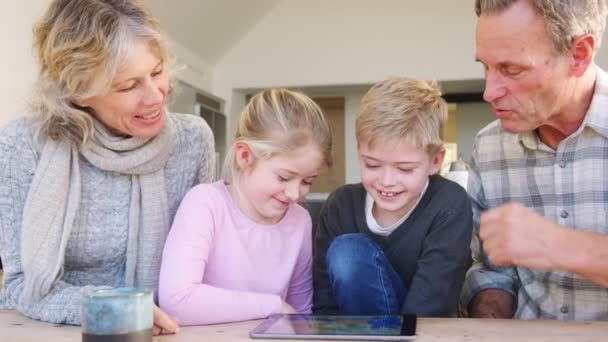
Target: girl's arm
x,y
323,298
182,291
299,294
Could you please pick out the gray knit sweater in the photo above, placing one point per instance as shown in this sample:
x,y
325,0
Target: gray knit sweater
x,y
96,251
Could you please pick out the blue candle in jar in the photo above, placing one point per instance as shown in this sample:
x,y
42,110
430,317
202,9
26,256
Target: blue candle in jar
x,y
117,315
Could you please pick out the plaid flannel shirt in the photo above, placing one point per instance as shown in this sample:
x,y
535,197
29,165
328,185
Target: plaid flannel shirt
x,y
568,186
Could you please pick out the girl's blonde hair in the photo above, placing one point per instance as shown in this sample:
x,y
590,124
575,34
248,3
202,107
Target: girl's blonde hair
x,y
80,44
276,121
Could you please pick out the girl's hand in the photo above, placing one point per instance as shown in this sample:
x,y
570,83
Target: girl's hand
x,y
286,308
163,323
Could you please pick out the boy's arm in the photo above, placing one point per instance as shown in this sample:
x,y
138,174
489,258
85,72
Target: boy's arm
x,y
299,294
182,291
324,302
436,285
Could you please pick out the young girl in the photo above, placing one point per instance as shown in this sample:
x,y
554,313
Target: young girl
x,y
240,248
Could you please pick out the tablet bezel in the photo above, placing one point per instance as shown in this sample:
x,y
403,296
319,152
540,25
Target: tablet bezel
x,y
408,330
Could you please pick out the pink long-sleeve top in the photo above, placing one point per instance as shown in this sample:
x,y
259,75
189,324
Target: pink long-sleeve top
x,y
220,266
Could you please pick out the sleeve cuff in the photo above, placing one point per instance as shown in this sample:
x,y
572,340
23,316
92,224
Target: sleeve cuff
x,y
479,279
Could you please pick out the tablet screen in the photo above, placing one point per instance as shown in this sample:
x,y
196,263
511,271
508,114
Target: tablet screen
x,y
320,325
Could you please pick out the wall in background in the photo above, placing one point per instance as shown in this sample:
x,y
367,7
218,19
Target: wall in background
x,y
183,99
345,42
311,43
352,42
191,69
470,118
351,107
17,64
318,42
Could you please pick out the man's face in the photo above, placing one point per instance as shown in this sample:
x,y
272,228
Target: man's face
x,y
527,80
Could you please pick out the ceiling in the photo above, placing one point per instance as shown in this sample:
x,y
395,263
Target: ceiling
x,y
209,28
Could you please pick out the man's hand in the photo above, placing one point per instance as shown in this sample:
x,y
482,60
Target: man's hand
x,y
492,303
163,323
514,235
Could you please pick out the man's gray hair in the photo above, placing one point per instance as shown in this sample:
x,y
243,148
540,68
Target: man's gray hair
x,y
566,19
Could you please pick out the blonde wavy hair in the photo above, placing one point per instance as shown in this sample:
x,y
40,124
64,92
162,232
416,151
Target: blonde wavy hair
x,y
402,110
565,20
80,45
276,121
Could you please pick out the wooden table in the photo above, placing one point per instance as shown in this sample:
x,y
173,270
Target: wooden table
x,y
14,327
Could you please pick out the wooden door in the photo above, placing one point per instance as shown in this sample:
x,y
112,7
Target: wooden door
x,y
330,180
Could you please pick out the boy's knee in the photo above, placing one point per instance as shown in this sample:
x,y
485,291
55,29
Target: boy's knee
x,y
347,255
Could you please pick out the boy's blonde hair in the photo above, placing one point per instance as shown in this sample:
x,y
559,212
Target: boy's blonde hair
x,y
275,121
402,110
80,44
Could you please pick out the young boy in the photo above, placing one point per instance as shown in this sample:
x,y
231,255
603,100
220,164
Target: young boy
x,y
398,242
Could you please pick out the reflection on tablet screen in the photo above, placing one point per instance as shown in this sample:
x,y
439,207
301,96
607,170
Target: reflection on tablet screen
x,y
337,325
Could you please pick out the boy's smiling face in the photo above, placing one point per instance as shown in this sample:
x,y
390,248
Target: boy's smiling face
x,y
394,175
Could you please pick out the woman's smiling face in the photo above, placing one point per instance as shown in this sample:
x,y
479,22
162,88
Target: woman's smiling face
x,y
134,105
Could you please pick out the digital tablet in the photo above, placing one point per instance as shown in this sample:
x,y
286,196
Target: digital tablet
x,y
321,327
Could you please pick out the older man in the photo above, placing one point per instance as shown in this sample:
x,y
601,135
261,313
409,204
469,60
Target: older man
x,y
539,178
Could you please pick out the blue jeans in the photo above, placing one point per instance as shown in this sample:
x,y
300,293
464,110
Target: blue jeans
x,y
362,279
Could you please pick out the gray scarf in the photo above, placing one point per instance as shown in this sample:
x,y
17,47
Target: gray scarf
x,y
53,203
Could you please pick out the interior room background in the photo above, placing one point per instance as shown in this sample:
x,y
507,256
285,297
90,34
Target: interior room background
x,y
332,50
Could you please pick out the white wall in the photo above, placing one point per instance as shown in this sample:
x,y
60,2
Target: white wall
x,y
17,65
319,42
191,69
342,42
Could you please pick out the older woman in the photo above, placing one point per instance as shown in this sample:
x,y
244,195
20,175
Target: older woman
x,y
91,182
